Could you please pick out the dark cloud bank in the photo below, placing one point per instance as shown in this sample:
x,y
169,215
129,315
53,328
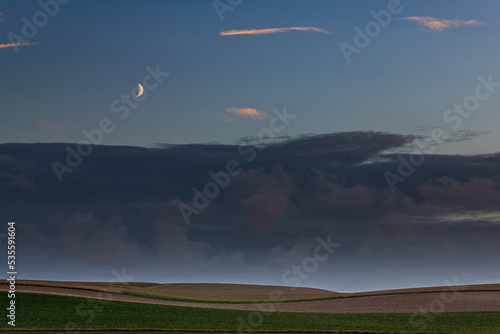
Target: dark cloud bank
x,y
119,208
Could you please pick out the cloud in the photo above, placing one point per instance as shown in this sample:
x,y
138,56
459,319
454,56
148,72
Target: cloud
x,y
17,182
478,193
15,45
473,216
56,127
464,135
269,202
248,113
271,31
439,25
119,208
172,171
326,192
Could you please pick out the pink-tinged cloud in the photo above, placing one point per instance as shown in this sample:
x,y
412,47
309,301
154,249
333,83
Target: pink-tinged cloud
x,y
271,31
248,113
12,45
439,25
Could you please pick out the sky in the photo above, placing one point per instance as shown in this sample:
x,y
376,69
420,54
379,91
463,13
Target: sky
x,y
262,127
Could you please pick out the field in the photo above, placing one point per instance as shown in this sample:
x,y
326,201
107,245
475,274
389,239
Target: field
x,y
48,305
186,292
51,312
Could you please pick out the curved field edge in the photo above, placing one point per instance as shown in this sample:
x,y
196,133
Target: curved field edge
x,y
53,312
241,294
211,301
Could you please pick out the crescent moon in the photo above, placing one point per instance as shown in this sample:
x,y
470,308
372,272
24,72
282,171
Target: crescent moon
x,y
140,91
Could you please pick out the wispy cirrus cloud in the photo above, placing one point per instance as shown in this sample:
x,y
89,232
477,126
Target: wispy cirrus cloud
x,y
12,45
248,113
435,24
493,216
271,31
56,127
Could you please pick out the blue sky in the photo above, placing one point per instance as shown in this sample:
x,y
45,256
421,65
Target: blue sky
x,y
340,167
92,52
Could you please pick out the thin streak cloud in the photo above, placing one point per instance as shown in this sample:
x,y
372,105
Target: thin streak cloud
x,y
248,113
12,45
271,31
439,25
56,127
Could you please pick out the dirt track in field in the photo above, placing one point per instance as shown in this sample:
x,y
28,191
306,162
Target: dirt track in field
x,y
446,300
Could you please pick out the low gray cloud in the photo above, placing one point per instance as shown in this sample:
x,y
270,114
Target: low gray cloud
x,y
119,208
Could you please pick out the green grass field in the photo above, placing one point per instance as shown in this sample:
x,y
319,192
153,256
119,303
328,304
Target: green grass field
x,y
38,311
